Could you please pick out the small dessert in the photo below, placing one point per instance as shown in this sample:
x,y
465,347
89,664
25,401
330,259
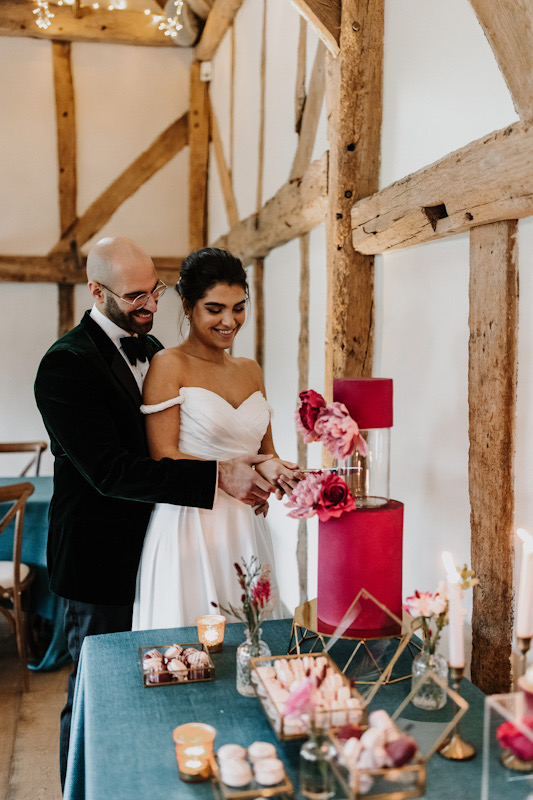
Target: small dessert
x,y
259,750
188,652
200,665
269,771
153,659
177,669
228,751
159,676
235,772
173,651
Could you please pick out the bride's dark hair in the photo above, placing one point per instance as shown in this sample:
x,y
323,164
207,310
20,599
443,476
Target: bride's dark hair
x,y
203,269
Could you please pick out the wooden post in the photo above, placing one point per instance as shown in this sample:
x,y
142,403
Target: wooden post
x,y
259,316
198,158
354,95
492,377
262,89
303,384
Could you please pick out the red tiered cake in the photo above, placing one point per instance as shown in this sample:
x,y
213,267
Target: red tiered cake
x,y
362,549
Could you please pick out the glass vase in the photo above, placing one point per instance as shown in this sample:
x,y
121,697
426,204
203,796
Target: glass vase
x,y
368,476
316,774
430,696
252,647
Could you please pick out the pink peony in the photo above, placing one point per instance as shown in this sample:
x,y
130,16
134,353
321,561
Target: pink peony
x,y
322,493
300,701
338,432
511,738
309,406
425,604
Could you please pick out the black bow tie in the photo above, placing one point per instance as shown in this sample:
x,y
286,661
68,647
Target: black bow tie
x,y
135,348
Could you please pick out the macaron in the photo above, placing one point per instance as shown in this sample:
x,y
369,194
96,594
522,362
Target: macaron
x,y
228,751
259,750
269,771
235,772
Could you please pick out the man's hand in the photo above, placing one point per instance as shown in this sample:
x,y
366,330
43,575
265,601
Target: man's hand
x,y
237,478
284,475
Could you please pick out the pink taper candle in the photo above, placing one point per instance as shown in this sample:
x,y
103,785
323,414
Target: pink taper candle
x,y
524,608
456,656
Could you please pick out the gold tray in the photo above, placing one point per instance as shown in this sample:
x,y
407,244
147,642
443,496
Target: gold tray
x,y
390,783
253,789
328,716
172,681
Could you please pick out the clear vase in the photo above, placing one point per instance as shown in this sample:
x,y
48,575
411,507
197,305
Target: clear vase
x,y
252,647
368,476
316,775
430,696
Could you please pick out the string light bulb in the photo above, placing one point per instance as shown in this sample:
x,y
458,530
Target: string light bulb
x,y
171,25
43,14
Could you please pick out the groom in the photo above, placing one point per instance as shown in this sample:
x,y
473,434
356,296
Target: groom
x,y
88,390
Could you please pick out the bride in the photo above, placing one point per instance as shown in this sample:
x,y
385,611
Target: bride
x,y
203,403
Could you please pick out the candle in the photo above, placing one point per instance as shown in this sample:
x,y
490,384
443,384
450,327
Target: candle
x,y
211,631
194,749
524,609
456,656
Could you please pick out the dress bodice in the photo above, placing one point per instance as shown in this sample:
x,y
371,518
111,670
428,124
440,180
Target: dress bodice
x,y
212,428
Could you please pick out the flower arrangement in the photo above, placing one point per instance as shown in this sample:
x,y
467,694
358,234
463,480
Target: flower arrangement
x,y
510,737
330,424
432,609
257,597
323,493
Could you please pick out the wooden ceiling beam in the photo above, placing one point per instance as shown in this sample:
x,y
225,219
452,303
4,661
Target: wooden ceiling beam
x,y
508,26
311,115
325,17
60,268
218,22
161,151
298,207
94,25
486,181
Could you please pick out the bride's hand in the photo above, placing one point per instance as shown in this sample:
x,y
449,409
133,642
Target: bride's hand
x,y
281,474
261,508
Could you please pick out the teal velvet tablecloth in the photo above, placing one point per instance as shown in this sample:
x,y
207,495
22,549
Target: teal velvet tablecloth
x,y
34,537
121,742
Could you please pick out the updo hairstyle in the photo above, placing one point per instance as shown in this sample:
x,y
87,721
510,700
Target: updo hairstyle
x,y
203,269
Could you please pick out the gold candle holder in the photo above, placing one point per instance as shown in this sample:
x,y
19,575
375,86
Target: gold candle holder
x,y
523,644
455,748
211,631
194,751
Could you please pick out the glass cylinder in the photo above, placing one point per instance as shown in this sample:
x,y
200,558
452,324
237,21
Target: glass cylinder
x,y
194,749
211,631
316,774
252,647
430,696
368,477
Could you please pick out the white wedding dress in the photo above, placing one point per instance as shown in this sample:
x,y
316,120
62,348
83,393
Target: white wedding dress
x,y
189,554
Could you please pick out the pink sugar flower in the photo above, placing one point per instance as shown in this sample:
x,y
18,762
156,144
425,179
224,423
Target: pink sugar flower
x,y
309,406
322,493
306,496
338,432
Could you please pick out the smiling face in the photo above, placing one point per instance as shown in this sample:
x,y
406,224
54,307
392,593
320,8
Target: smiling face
x,y
218,316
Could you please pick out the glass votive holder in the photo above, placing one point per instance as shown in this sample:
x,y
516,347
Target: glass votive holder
x,y
194,750
211,631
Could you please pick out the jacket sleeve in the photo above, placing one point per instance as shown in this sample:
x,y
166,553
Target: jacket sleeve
x,y
83,428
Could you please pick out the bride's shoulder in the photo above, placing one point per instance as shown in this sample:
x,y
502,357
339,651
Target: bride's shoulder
x,y
247,365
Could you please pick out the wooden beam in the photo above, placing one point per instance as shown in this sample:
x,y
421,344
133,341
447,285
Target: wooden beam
x,y
508,26
66,308
218,22
223,172
66,133
489,180
95,25
492,384
301,72
262,90
303,384
198,158
311,114
60,268
259,314
325,17
295,209
160,152
354,96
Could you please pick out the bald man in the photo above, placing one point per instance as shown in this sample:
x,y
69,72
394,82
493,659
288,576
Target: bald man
x,y
88,390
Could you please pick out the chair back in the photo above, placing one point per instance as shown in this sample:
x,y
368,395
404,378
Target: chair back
x,y
37,448
16,494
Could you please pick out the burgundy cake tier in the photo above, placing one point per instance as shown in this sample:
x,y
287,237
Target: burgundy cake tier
x,y
362,549
368,400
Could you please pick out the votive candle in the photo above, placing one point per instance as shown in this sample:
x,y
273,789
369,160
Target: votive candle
x,y
524,609
456,656
194,749
211,631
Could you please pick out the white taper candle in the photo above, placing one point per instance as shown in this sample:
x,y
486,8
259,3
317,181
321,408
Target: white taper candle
x,y
456,656
524,608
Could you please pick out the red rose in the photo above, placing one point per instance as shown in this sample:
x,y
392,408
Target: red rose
x,y
510,737
309,407
334,499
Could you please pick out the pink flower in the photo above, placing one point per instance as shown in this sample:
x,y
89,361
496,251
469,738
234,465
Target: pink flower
x,y
425,604
338,432
261,590
309,406
510,737
300,701
321,493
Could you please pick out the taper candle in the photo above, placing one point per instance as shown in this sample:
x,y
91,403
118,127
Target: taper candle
x,y
456,656
524,609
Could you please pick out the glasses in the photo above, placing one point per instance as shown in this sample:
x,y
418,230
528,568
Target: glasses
x,y
141,299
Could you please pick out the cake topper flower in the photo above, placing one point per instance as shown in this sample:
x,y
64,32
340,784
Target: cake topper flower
x,y
322,493
330,424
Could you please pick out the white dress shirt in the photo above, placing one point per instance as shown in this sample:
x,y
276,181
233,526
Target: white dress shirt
x,y
114,332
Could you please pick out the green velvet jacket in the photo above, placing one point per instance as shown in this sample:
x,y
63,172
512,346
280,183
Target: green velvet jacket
x,y
105,483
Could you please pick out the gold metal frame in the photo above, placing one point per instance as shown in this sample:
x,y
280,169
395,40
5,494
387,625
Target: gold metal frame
x,y
175,681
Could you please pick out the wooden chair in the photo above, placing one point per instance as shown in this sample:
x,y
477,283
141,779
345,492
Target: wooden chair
x,y
37,448
15,578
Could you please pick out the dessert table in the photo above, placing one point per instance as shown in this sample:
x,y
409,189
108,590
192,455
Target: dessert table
x,y
121,740
35,534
